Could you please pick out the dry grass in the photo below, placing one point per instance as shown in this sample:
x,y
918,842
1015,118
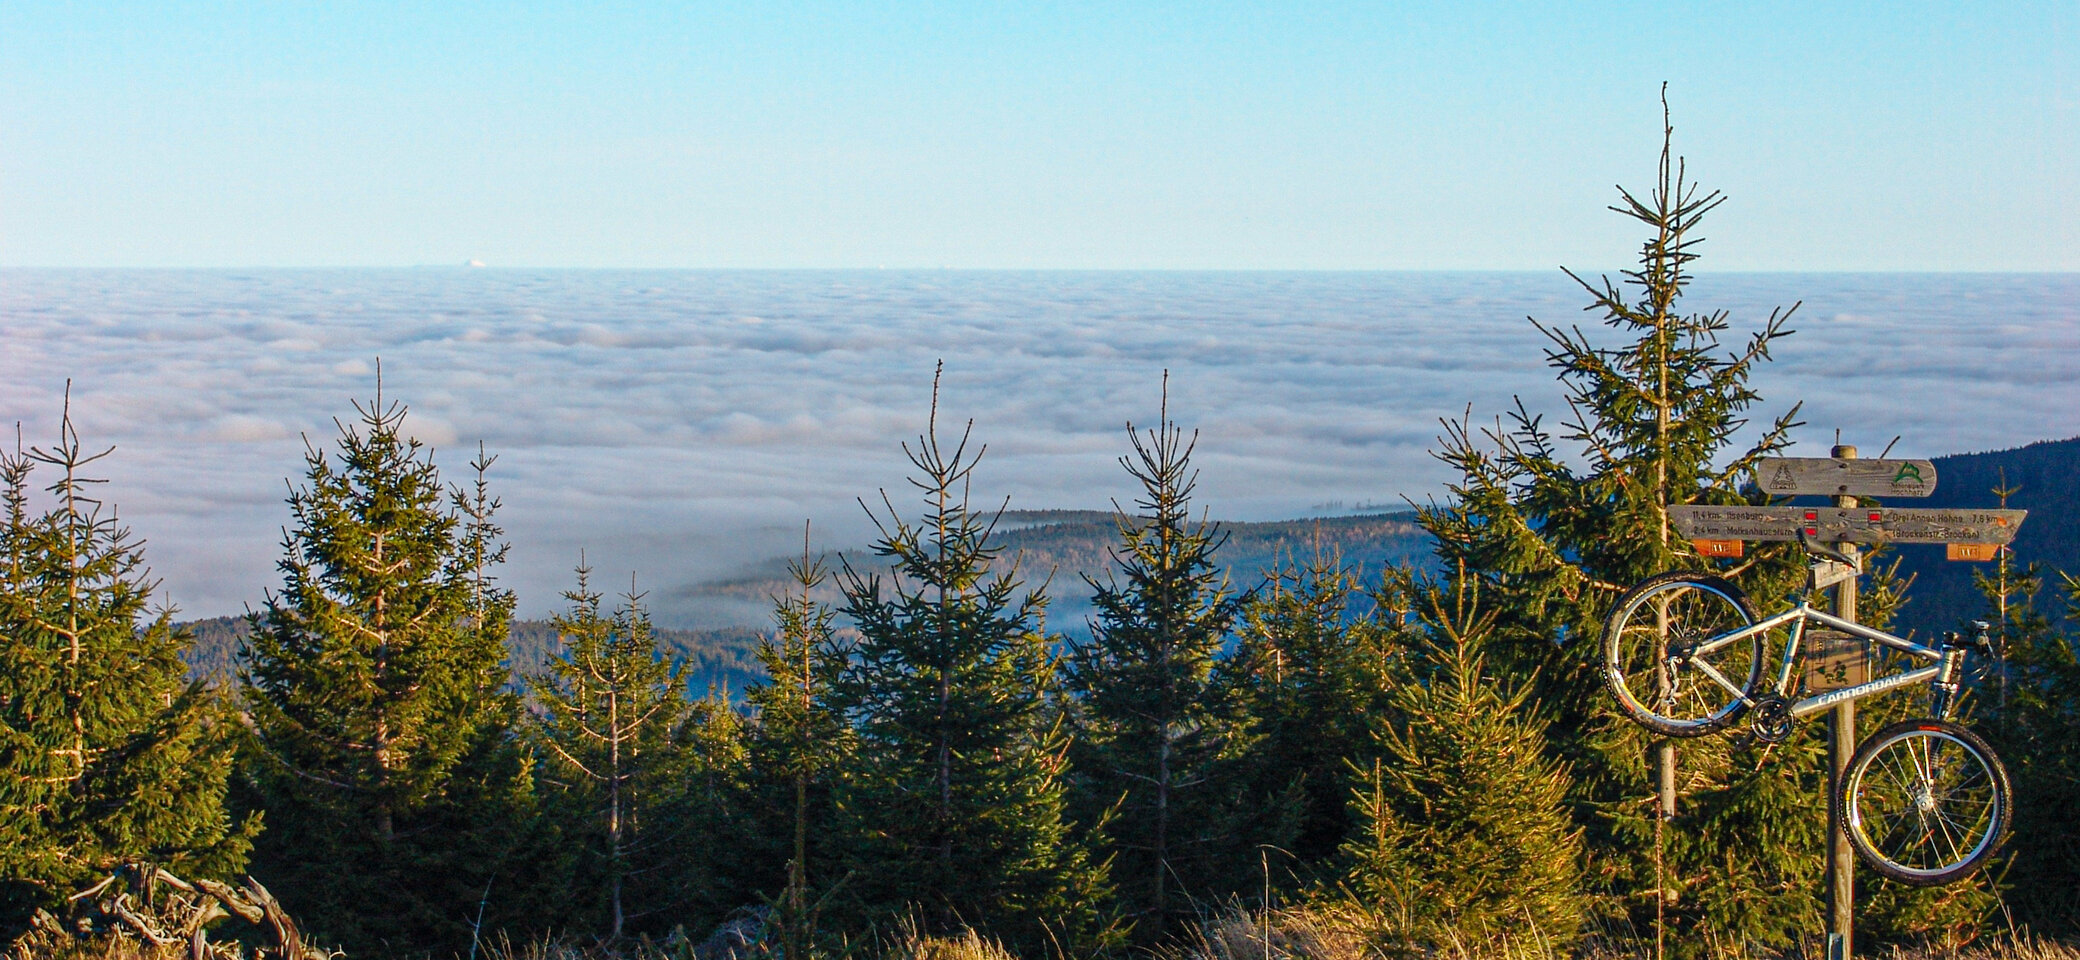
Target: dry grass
x,y
2020,945
110,948
1281,935
1315,933
1331,933
744,938
968,946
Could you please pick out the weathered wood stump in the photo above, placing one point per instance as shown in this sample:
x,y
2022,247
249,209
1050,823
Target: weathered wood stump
x,y
144,902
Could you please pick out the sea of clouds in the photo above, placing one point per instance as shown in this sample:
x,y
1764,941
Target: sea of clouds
x,y
679,425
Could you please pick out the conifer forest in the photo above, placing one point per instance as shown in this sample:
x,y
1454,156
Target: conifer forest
x,y
1422,759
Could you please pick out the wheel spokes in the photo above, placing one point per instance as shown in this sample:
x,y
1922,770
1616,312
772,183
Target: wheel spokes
x,y
1666,661
1926,803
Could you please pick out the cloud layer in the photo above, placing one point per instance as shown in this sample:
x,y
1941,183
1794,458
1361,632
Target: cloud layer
x,y
678,424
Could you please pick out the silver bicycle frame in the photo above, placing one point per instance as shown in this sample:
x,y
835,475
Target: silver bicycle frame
x,y
1803,614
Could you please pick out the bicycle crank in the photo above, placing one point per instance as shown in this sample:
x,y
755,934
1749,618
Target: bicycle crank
x,y
1771,717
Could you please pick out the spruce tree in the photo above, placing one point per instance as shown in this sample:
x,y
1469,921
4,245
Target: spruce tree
x,y
1553,535
1308,668
383,748
1150,733
711,833
955,804
608,709
2032,703
1463,837
108,752
797,743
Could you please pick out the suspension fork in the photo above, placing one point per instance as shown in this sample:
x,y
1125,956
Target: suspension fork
x,y
1944,690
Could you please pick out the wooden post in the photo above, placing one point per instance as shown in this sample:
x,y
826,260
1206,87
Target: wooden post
x,y
1668,779
1841,863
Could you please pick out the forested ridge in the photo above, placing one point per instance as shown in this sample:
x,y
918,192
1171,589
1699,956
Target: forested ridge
x,y
1063,544
1393,727
2044,478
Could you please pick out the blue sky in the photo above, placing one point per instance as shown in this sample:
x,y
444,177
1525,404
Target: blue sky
x,y
1201,135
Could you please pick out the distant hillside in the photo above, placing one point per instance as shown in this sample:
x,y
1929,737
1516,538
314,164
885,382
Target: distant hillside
x,y
722,658
1363,543
1059,547
2046,478
1052,546
216,645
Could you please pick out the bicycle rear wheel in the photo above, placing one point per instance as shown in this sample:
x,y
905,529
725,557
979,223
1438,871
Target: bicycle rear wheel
x,y
1925,802
1661,663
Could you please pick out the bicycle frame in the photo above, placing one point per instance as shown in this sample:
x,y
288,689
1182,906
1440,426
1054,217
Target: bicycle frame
x,y
1941,674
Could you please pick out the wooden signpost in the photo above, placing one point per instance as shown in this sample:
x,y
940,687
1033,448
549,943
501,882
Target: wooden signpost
x,y
1720,532
1853,524
1845,477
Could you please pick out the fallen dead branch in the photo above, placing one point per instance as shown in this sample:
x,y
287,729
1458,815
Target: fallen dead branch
x,y
163,914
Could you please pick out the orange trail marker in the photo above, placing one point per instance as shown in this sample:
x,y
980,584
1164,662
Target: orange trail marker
x,y
1971,551
1717,548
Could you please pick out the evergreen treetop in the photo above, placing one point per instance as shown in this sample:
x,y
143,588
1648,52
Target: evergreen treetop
x,y
108,752
609,708
375,684
957,800
1554,525
1462,834
1150,727
1308,669
370,670
798,743
1556,534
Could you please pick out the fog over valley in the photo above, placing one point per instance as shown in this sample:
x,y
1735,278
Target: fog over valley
x,y
682,425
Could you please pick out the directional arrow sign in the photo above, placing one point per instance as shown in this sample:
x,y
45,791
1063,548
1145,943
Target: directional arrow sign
x,y
1794,476
1838,525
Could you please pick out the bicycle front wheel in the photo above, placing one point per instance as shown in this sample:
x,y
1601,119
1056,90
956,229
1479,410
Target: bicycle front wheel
x,y
1925,802
1665,662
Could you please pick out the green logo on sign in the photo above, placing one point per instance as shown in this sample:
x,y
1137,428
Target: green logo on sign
x,y
1907,471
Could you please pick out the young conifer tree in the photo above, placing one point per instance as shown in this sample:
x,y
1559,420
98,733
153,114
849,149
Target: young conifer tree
x,y
1463,838
609,708
108,752
2032,700
374,680
956,798
1554,527
1150,733
710,832
1307,670
798,740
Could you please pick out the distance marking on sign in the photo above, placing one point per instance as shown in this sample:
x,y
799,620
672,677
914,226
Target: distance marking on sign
x,y
1847,525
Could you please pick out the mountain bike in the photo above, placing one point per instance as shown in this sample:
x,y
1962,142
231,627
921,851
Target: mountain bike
x,y
1924,801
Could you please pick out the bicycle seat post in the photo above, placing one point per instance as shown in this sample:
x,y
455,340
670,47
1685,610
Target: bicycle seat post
x,y
1827,567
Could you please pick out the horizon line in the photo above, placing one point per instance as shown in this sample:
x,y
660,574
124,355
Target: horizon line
x,y
472,267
